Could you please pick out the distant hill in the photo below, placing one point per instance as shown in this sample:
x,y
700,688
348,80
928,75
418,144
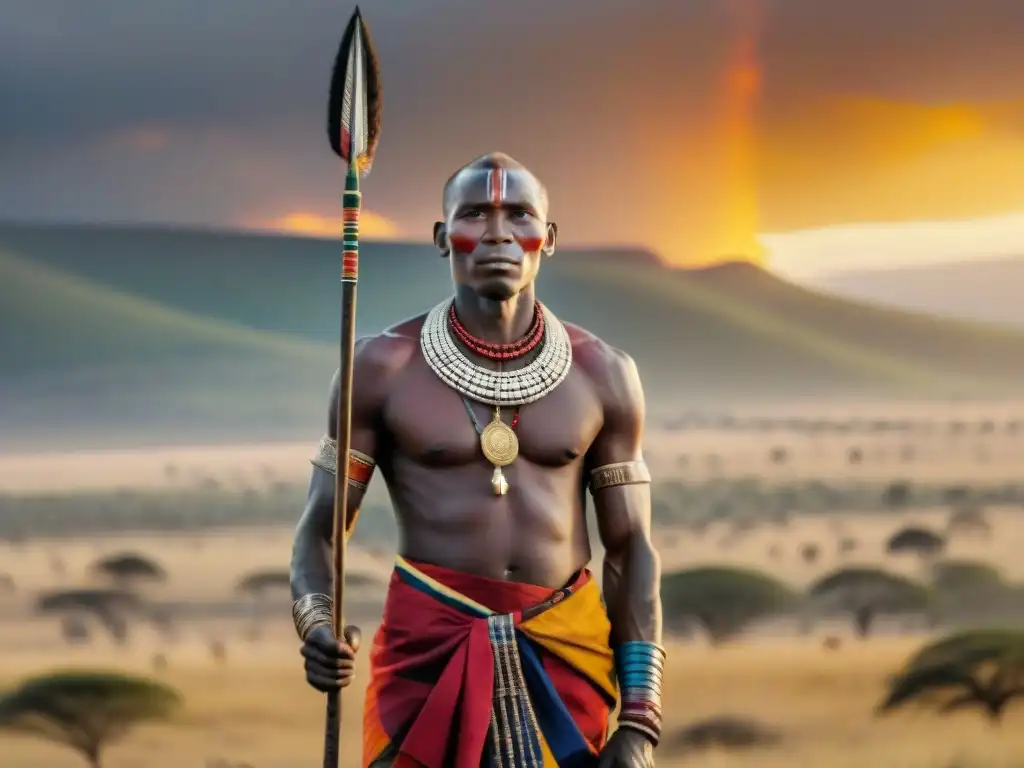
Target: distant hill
x,y
944,345
80,354
233,333
986,290
275,283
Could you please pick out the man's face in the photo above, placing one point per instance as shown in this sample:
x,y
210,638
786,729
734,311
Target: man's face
x,y
496,230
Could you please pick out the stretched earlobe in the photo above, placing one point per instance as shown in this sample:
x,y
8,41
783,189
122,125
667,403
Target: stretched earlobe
x,y
549,241
440,238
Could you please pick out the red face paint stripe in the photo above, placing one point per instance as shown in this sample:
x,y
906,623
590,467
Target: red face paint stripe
x,y
464,243
496,182
530,243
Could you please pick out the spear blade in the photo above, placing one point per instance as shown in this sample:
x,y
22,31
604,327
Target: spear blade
x,y
354,107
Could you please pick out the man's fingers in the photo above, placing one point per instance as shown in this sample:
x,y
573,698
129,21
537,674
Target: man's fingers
x,y
329,675
330,667
322,660
330,663
312,653
353,636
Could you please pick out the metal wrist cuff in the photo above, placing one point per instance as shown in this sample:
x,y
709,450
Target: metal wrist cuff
x,y
650,691
640,666
643,648
640,669
650,730
310,611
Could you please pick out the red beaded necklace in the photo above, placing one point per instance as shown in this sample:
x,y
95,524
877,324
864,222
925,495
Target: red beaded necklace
x,y
492,351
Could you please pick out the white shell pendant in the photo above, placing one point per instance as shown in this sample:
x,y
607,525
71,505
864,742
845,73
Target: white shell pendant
x,y
498,482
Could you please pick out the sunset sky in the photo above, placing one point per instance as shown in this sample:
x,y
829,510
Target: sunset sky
x,y
732,125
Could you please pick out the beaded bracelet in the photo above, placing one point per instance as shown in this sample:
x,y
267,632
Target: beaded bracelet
x,y
640,667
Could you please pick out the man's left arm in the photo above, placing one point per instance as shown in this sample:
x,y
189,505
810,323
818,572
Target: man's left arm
x,y
620,484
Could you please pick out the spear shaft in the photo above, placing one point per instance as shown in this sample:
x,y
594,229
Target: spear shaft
x,y
353,126
349,280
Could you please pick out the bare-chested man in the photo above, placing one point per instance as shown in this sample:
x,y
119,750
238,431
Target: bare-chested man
x,y
489,420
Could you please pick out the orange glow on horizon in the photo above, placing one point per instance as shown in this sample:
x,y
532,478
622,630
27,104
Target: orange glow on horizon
x,y
372,226
855,159
733,232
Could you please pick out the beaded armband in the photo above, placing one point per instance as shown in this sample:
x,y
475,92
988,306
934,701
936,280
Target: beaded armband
x,y
360,466
620,473
640,667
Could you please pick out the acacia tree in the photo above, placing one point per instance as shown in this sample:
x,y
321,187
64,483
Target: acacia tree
x,y
971,577
724,601
86,711
979,669
866,593
970,590
968,519
917,541
128,569
110,607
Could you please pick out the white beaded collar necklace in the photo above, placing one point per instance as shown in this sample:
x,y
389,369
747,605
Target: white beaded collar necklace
x,y
498,388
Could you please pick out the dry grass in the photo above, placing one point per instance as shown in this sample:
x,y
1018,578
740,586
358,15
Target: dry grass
x,y
680,548
258,710
711,451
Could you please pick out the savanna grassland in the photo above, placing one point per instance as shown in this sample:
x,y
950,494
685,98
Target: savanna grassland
x,y
761,672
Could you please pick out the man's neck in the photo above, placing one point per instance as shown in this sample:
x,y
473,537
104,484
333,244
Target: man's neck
x,y
499,322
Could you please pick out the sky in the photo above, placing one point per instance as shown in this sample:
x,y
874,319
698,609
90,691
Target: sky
x,y
703,130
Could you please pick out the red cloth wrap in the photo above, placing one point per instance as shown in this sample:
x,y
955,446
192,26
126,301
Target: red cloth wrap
x,y
432,666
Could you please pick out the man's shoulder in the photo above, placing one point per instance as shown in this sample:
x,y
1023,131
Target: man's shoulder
x,y
598,358
408,329
610,370
380,355
394,344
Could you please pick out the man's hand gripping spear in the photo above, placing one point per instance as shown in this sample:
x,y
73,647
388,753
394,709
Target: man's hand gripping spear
x,y
353,127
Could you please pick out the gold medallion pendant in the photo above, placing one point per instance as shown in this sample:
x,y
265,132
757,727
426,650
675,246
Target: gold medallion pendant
x,y
500,447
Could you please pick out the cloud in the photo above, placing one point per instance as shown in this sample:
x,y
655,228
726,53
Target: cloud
x,y
206,112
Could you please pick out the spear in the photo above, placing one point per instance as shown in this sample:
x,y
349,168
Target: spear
x,y
353,127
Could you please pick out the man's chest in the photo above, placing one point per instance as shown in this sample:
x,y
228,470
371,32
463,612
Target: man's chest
x,y
433,424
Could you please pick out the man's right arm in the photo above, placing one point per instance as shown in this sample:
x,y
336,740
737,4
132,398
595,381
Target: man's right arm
x,y
330,663
311,564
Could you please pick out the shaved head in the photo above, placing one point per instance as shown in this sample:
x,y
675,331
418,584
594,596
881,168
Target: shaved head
x,y
490,162
495,227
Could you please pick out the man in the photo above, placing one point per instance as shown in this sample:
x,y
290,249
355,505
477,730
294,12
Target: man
x,y
489,419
